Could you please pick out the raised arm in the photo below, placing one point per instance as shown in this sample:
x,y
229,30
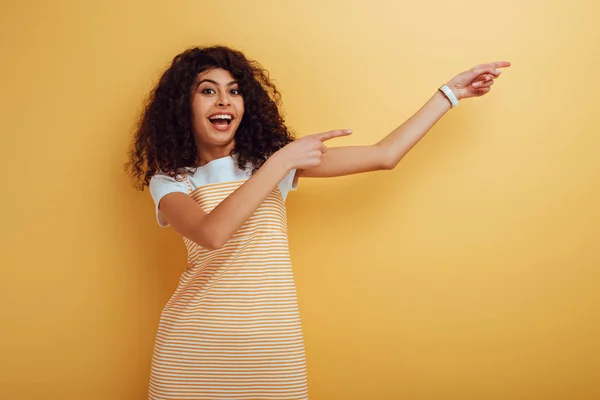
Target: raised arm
x,y
388,152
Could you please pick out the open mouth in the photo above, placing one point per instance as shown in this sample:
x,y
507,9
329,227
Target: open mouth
x,y
221,120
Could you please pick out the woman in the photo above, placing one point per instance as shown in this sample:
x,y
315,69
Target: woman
x,y
219,161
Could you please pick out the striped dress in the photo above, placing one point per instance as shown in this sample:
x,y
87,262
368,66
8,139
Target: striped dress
x,y
231,329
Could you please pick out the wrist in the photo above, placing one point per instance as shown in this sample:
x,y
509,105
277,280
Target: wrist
x,y
452,86
450,92
279,161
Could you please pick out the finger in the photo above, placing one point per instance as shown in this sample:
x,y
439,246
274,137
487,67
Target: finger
x,y
490,68
323,148
333,134
494,65
482,91
483,73
481,79
481,84
484,78
502,64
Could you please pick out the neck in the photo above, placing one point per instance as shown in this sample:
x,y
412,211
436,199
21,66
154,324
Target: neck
x,y
206,154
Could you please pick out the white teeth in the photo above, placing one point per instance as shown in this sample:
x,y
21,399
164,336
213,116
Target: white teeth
x,y
220,116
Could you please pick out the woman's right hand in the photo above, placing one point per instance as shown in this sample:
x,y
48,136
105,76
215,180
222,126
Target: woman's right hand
x,y
306,152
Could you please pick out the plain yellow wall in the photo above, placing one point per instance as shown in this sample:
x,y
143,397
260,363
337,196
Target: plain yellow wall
x,y
470,272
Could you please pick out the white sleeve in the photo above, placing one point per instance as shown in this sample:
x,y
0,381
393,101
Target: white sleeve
x,y
288,183
161,185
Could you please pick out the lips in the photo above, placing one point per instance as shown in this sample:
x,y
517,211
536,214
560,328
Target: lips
x,y
221,121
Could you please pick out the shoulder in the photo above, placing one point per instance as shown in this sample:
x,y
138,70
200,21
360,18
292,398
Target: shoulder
x,y
162,184
161,178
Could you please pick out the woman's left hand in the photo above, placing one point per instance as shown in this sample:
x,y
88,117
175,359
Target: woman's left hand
x,y
477,81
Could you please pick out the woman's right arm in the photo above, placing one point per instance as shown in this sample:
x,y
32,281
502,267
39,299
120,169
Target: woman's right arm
x,y
214,229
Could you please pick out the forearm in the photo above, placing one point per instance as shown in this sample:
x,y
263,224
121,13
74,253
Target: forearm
x,y
226,218
407,135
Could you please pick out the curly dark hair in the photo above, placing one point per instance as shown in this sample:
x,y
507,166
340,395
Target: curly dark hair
x,y
164,139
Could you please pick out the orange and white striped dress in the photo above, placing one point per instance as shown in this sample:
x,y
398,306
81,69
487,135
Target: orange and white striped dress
x,y
232,328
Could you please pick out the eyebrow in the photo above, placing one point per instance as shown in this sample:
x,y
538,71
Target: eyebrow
x,y
215,83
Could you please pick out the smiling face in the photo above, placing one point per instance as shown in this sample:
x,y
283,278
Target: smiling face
x,y
217,111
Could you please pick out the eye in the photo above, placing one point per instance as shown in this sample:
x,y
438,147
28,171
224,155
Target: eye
x,y
208,91
235,91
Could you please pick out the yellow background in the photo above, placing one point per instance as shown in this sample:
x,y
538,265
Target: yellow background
x,y
469,272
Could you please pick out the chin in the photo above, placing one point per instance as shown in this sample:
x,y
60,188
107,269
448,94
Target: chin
x,y
221,138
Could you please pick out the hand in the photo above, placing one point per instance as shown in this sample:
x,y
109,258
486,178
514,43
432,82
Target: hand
x,y
306,152
477,81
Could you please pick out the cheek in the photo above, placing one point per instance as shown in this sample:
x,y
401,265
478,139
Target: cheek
x,y
240,108
199,110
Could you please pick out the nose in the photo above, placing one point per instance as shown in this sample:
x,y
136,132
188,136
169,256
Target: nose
x,y
223,100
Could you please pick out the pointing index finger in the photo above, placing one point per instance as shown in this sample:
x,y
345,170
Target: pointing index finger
x,y
492,66
501,64
498,64
333,134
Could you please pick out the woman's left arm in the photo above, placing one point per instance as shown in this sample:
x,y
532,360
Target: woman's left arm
x,y
388,152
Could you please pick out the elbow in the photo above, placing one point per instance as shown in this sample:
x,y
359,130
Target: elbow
x,y
208,247
215,246
210,237
390,164
387,160
208,241
211,245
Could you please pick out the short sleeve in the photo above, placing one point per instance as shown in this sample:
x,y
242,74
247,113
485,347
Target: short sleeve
x,y
161,185
288,183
